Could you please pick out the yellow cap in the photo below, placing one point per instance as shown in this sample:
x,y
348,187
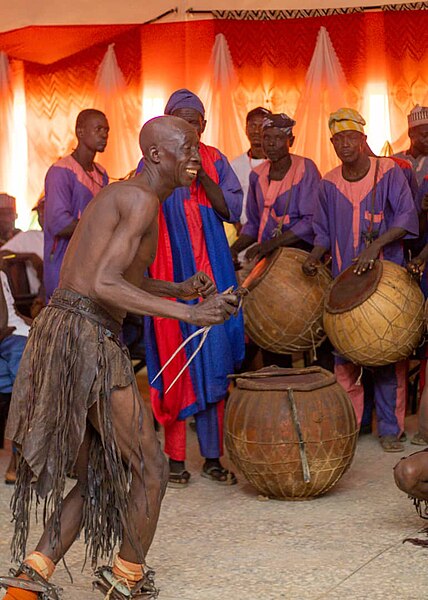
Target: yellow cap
x,y
346,119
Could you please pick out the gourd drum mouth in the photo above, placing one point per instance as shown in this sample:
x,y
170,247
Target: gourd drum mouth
x,y
349,290
283,311
260,270
375,318
282,379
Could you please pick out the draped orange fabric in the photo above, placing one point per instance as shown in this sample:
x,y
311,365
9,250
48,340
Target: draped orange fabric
x,y
271,59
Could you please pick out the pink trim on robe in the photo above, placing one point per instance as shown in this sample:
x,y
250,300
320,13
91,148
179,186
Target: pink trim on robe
x,y
272,189
93,180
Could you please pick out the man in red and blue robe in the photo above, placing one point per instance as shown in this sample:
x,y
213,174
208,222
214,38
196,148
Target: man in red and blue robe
x,y
192,239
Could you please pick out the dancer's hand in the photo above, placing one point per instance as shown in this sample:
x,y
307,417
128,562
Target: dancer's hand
x,y
199,284
214,310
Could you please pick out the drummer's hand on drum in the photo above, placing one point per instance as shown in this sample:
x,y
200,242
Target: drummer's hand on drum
x,y
253,252
311,265
214,310
366,260
199,284
416,266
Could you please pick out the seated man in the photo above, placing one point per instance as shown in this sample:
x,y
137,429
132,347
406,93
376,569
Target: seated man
x,y
13,337
7,218
28,246
411,473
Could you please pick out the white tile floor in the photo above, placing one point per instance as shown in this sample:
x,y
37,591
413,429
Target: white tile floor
x,y
217,543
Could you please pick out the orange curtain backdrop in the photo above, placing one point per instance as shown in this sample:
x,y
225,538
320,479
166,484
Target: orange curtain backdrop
x,y
325,89
174,56
6,123
270,59
57,93
217,94
123,111
406,45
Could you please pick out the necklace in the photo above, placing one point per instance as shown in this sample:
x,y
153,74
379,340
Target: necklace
x,y
87,173
100,185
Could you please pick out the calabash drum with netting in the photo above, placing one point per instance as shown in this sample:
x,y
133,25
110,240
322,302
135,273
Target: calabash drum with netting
x,y
283,311
376,318
292,432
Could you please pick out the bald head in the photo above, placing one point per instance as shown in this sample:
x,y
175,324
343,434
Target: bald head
x,y
170,147
161,131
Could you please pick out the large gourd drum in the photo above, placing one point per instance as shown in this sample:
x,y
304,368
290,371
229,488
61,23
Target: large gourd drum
x,y
375,318
292,432
283,311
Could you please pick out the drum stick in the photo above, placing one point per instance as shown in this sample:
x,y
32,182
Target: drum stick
x,y
204,331
296,423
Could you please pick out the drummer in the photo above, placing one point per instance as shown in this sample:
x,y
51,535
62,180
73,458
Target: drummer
x,y
365,209
281,199
282,195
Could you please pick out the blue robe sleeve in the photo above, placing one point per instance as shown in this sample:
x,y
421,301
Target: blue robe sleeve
x,y
308,196
321,221
231,188
422,192
251,227
402,204
58,199
140,166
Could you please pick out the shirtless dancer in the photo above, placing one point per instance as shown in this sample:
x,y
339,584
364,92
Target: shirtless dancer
x,y
75,402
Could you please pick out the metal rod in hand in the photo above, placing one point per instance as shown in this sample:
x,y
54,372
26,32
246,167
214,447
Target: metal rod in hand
x,y
204,331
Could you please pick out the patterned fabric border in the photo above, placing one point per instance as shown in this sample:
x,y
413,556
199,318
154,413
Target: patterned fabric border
x,y
409,6
272,15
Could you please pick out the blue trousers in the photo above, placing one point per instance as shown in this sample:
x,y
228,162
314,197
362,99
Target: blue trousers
x,y
11,349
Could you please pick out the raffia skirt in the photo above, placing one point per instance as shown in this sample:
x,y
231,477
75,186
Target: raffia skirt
x,y
72,360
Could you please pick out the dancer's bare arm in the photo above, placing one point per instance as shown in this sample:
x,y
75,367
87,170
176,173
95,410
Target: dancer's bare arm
x,y
199,284
138,214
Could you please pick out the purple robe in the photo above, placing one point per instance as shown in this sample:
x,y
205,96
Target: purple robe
x,y
344,213
296,195
68,191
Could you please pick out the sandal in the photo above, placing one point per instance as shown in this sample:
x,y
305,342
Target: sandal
x,y
390,443
178,480
10,477
33,582
418,440
219,474
116,589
